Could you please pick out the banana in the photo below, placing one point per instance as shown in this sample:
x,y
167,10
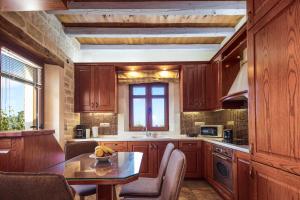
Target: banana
x,y
99,153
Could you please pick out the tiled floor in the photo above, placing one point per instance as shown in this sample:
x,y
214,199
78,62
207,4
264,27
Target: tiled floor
x,y
193,190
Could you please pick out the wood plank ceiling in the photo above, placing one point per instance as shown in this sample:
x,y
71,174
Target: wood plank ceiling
x,y
110,23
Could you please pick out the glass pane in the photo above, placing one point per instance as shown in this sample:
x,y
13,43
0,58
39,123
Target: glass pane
x,y
17,112
139,90
158,112
158,90
139,112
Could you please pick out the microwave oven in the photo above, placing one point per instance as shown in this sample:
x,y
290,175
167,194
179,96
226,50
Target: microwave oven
x,y
212,131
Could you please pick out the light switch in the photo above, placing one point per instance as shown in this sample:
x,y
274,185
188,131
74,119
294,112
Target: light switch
x,y
199,123
104,124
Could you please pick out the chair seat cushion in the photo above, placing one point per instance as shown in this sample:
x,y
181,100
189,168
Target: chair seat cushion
x,y
84,190
143,187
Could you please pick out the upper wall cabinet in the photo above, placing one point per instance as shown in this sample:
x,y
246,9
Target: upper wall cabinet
x,y
95,88
274,87
193,87
258,8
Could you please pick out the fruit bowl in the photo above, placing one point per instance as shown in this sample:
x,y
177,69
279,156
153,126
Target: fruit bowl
x,y
103,158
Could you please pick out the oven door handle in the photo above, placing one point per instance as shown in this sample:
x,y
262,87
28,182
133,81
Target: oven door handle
x,y
222,157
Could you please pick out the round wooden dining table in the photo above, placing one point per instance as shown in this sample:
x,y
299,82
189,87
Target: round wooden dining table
x,y
122,168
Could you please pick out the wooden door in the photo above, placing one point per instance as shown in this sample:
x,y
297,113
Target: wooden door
x,y
257,9
160,150
105,88
192,151
241,180
149,157
208,160
274,83
84,97
269,183
193,87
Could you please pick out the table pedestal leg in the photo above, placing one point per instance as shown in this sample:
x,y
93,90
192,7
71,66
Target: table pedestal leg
x,y
105,192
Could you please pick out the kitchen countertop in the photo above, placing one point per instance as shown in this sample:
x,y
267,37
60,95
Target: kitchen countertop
x,y
140,138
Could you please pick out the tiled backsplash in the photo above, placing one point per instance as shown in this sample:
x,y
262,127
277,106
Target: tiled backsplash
x,y
94,119
239,118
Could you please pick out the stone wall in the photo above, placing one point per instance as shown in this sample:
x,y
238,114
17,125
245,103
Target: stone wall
x,y
94,119
231,119
48,31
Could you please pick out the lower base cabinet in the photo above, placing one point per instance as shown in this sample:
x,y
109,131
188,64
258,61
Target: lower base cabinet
x,y
241,173
148,167
268,183
192,151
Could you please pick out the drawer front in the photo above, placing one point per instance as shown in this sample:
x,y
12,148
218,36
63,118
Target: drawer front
x,y
189,145
5,144
116,146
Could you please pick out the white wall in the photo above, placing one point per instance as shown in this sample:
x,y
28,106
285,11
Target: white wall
x,y
174,110
54,100
148,55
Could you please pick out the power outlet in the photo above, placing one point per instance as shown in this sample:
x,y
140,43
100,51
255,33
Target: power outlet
x,y
199,123
230,123
104,124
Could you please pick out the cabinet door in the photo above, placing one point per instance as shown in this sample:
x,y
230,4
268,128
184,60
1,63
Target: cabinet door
x,y
269,183
193,87
192,151
257,9
212,86
274,89
241,169
149,157
160,150
105,88
84,98
208,161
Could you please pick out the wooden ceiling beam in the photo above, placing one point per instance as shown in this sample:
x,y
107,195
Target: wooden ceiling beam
x,y
147,32
149,25
32,5
155,8
204,47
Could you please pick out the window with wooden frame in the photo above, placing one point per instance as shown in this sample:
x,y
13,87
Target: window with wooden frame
x,y
21,92
149,107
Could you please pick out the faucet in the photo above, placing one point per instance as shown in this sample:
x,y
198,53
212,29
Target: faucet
x,y
148,134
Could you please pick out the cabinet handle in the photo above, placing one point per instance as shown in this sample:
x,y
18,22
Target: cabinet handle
x,y
96,105
251,174
92,105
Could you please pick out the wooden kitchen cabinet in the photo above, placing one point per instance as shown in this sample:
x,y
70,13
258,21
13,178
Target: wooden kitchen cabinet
x,y
274,88
241,173
257,9
95,88
148,167
160,148
84,97
193,87
116,146
207,161
213,85
192,151
269,183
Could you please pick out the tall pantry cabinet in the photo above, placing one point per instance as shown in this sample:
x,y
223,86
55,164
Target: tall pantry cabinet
x,y
274,96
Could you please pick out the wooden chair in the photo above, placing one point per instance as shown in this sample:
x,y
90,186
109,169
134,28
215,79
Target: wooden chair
x,y
173,179
74,149
33,186
148,187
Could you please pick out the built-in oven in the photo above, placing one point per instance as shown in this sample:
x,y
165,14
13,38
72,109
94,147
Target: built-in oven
x,y
222,166
211,130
